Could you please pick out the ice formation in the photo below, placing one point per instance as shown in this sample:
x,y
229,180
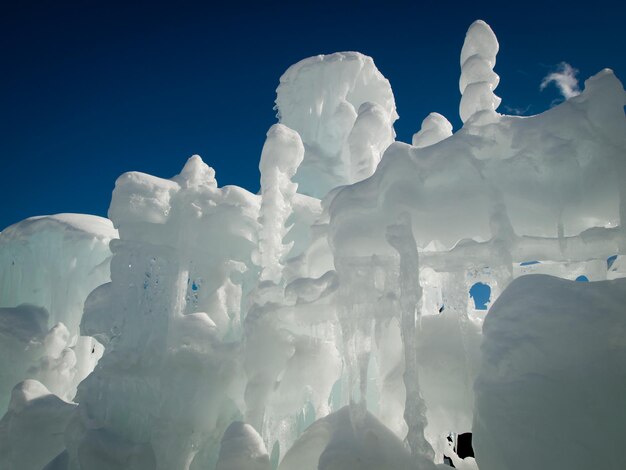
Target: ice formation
x,y
335,320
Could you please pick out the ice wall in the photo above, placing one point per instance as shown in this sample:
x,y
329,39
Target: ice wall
x,y
48,266
41,257
333,321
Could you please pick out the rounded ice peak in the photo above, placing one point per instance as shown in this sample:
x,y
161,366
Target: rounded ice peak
x,y
196,173
435,128
480,40
283,149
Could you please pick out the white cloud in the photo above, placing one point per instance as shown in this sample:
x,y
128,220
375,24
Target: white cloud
x,y
516,111
565,80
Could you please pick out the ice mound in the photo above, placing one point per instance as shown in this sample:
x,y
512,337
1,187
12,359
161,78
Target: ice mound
x,y
335,319
554,362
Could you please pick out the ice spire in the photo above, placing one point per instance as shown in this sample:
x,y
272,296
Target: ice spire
x,y
282,154
478,80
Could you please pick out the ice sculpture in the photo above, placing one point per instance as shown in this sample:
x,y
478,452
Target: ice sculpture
x,y
333,321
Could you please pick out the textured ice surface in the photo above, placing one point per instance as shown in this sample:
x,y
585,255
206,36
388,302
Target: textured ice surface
x,y
334,321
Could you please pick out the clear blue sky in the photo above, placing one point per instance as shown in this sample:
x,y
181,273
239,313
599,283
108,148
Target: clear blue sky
x,y
92,89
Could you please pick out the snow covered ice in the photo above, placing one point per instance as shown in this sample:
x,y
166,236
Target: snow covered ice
x,y
332,321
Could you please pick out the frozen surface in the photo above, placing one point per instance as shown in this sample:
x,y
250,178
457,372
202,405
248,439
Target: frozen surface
x,y
335,319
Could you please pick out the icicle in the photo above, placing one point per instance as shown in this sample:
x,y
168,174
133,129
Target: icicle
x,y
400,237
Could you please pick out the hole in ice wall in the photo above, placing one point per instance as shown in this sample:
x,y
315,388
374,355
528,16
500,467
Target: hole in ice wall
x,y
462,446
528,263
582,279
610,260
480,293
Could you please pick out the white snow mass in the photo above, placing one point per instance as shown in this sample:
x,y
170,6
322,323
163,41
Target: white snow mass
x,y
374,304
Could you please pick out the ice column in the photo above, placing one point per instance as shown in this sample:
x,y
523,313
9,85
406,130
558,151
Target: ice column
x,y
400,237
282,154
478,80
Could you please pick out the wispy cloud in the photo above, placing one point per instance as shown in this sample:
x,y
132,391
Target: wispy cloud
x,y
565,80
516,111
